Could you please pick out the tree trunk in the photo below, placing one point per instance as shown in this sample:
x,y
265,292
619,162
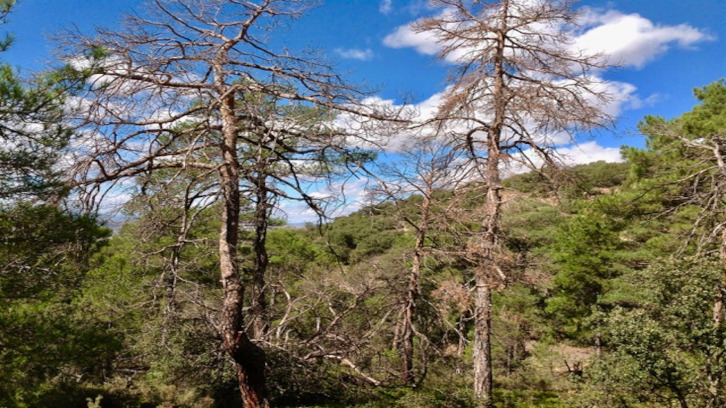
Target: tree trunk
x,y
483,377
248,357
260,319
407,336
488,269
250,362
413,293
486,273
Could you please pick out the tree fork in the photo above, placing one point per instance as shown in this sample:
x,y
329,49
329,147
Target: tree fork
x,y
249,358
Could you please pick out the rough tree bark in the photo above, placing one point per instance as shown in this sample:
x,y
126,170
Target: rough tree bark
x,y
248,357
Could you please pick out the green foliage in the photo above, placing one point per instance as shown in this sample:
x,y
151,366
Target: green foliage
x,y
32,137
170,352
593,178
353,275
583,253
44,251
5,7
292,252
682,171
708,119
669,348
45,338
366,233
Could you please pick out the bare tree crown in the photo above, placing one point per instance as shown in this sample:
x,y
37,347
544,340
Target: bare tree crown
x,y
515,67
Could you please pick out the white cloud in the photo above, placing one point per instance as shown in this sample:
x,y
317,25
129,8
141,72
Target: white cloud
x,y
405,37
636,102
625,39
632,40
571,155
355,53
386,6
622,97
589,152
113,203
628,39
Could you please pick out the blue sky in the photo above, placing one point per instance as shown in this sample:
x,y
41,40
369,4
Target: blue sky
x,y
354,33
666,48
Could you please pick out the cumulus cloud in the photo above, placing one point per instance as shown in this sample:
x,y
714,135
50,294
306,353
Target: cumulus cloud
x,y
622,97
405,37
366,135
570,155
355,53
588,153
625,39
633,40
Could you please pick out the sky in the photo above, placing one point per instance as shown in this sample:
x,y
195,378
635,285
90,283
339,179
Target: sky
x,y
664,48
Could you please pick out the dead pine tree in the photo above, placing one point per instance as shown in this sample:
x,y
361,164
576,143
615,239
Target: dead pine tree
x,y
516,86
426,169
174,88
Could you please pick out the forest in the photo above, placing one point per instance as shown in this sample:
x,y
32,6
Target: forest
x,y
481,271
